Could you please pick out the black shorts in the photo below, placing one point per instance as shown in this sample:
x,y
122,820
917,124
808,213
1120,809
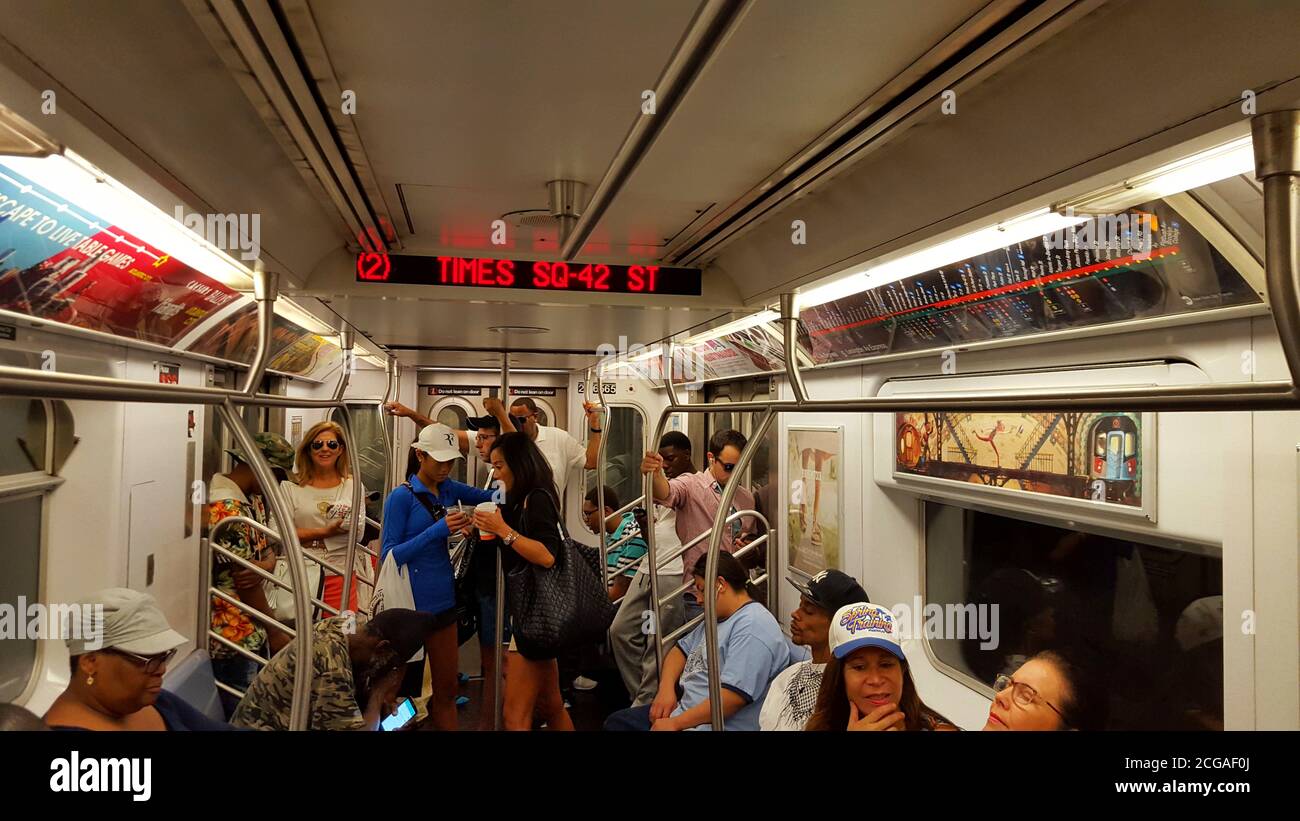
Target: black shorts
x,y
413,681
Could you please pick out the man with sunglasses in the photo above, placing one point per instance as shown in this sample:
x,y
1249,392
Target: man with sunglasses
x,y
563,453
695,497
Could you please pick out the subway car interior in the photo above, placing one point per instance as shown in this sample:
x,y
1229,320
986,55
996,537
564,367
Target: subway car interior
x,y
990,305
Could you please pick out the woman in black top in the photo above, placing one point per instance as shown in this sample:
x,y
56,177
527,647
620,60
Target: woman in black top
x,y
528,529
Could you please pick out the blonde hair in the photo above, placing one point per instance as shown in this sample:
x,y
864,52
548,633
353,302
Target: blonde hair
x,y
302,461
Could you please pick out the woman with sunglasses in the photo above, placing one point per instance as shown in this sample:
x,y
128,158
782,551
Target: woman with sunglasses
x,y
321,503
117,669
1051,691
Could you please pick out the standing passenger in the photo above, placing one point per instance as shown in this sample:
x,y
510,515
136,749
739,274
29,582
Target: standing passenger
x,y
631,641
695,497
562,452
419,516
321,503
238,494
527,530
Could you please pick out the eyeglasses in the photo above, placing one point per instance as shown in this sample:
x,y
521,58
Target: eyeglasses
x,y
1024,695
332,444
152,664
484,437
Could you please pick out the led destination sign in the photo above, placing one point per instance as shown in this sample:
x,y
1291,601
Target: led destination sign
x,y
538,275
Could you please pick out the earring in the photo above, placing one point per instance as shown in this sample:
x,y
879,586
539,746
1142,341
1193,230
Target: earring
x,y
90,679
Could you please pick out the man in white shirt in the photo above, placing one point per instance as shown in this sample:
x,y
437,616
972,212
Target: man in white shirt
x,y
793,693
632,632
563,453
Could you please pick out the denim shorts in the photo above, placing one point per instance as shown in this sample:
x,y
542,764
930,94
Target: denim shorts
x,y
487,619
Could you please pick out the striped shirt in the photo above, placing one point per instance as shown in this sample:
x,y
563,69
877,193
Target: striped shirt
x,y
625,558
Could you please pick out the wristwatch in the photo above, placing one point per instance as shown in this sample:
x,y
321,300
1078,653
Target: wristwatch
x,y
510,538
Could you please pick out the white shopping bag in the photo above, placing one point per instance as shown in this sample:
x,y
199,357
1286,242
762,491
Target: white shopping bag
x,y
393,589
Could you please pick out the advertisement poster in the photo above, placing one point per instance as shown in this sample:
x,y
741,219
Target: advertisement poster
x,y
743,353
816,502
61,263
293,350
1093,456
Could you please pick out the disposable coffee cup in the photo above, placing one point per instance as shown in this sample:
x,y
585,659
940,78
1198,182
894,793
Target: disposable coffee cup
x,y
485,507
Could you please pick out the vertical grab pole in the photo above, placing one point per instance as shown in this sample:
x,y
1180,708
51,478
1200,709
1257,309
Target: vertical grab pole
x,y
390,367
600,475
711,567
303,662
1276,137
652,554
355,527
790,332
499,672
266,287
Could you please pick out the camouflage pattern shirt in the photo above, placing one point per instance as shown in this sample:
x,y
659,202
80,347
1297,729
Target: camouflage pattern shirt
x,y
333,706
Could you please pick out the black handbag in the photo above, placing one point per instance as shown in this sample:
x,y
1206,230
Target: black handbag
x,y
467,609
562,606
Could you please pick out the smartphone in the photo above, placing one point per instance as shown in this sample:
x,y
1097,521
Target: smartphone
x,y
405,712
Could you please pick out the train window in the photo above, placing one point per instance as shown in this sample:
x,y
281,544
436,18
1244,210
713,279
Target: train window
x,y
20,521
369,435
625,428
23,424
1151,616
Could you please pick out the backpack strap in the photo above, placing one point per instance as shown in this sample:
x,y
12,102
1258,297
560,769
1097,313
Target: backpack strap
x,y
420,497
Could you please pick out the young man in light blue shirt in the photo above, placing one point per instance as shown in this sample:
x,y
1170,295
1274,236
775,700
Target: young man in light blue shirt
x,y
752,650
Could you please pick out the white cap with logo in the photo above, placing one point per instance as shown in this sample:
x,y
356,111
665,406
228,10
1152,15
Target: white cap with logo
x,y
864,625
438,441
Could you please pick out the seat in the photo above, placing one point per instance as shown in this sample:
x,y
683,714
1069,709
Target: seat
x,y
192,681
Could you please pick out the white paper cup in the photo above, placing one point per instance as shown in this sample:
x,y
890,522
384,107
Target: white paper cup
x,y
486,507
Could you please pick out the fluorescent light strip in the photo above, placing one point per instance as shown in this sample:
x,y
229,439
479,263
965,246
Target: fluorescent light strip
x,y
104,198
876,273
745,323
293,312
1227,160
427,368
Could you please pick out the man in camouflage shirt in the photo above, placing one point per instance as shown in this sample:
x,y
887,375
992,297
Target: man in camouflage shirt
x,y
355,674
238,494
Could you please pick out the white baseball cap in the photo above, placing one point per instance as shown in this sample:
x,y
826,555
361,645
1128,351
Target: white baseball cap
x,y
439,441
864,625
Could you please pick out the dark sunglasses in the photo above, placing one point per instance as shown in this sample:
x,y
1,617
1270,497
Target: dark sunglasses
x,y
332,444
728,467
152,664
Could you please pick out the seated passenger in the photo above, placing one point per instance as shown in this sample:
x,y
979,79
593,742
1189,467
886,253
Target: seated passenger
x,y
867,684
117,672
624,559
1051,691
355,676
793,694
753,650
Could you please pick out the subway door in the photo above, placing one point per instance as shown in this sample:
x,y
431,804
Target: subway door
x,y
161,462
634,409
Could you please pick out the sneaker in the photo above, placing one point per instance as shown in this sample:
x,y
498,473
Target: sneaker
x,y
583,683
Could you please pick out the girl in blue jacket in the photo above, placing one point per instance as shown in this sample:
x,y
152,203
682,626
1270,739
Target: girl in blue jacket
x,y
418,519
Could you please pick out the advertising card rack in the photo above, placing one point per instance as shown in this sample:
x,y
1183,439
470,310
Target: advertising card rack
x,y
42,269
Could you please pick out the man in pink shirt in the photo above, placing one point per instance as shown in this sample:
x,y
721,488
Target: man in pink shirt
x,y
695,497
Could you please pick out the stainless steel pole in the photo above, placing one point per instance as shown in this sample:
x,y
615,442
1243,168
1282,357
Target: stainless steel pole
x,y
1276,137
652,548
266,288
499,673
711,568
790,332
303,663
